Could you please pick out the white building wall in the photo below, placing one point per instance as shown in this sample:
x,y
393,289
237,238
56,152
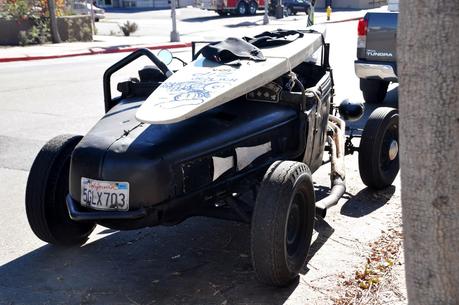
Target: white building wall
x,y
161,4
185,3
144,3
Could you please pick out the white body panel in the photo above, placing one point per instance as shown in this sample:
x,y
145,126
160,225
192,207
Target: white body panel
x,y
204,84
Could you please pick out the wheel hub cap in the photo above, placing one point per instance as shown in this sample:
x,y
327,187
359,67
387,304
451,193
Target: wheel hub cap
x,y
393,150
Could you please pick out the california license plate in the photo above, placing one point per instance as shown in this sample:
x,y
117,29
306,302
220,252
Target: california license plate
x,y
104,195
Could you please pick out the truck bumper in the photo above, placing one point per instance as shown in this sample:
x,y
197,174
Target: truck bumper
x,y
375,70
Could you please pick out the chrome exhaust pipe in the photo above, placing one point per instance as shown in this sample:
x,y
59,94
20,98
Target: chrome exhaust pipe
x,y
338,173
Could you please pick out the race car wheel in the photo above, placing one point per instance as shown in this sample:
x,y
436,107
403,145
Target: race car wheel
x,y
47,187
241,8
282,222
373,90
253,7
379,149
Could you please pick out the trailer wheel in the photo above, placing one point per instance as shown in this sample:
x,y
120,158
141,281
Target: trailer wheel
x,y
253,7
282,222
379,149
373,90
241,9
47,187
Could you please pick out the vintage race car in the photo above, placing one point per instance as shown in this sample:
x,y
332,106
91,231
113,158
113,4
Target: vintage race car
x,y
250,160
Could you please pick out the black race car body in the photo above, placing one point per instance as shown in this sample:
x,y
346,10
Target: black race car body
x,y
176,166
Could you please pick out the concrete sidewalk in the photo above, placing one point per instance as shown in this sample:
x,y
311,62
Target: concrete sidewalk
x,y
112,44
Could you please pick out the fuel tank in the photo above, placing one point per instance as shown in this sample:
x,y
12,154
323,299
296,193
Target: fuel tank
x,y
162,162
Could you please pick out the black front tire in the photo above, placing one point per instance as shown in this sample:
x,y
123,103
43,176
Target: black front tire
x,y
282,223
373,90
241,9
379,149
47,187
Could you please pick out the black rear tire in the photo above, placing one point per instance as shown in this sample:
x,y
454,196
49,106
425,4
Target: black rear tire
x,y
282,223
378,153
241,9
47,187
373,90
252,9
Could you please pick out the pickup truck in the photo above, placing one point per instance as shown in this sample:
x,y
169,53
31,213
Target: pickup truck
x,y
376,64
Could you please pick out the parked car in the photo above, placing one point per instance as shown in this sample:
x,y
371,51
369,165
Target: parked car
x,y
376,63
84,8
250,159
291,7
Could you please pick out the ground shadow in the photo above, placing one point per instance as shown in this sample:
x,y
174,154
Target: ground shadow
x,y
201,261
324,232
366,202
244,24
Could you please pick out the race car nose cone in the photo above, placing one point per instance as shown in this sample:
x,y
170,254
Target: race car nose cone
x,y
351,111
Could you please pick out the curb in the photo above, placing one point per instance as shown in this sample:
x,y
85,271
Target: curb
x,y
96,51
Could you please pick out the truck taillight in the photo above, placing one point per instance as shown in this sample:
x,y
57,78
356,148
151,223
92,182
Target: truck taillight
x,y
362,27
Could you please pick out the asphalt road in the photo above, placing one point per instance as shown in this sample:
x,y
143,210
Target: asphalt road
x,y
201,261
194,24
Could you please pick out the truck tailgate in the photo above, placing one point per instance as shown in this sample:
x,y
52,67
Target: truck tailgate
x,y
381,36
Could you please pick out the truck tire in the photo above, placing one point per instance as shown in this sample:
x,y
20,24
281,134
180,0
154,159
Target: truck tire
x,y
241,8
379,149
252,9
47,187
373,90
282,222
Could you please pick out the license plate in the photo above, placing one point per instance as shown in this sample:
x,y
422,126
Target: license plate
x,y
104,195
